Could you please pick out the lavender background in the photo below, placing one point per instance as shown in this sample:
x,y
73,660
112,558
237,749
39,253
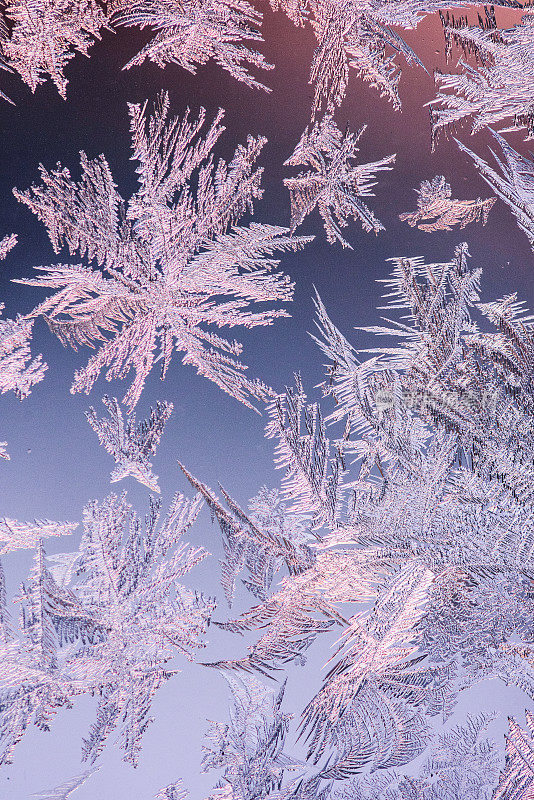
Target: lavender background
x,y
56,464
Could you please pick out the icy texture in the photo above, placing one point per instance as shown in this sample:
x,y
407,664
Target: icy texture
x,y
425,555
63,792
19,372
16,535
463,767
500,90
334,186
357,34
515,186
170,265
190,34
250,748
66,789
517,779
131,444
45,34
7,244
437,211
104,620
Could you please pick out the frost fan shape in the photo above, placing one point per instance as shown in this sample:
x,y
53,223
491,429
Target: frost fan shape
x,y
40,37
172,264
190,34
422,514
103,620
516,184
19,372
500,90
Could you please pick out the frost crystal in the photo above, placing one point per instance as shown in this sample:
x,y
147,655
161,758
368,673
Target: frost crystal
x,y
190,34
7,244
360,35
250,748
430,559
515,186
334,186
500,89
18,371
108,626
131,444
517,779
173,792
354,35
63,792
436,211
66,789
172,263
463,766
259,543
43,35
16,535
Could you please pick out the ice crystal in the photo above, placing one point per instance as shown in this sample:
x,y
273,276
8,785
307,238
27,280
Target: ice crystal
x,y
313,472
107,626
361,707
63,792
517,779
437,211
15,535
190,34
66,789
431,557
516,184
250,748
45,34
259,543
173,792
7,244
334,186
361,36
358,36
463,766
499,90
171,264
131,444
18,371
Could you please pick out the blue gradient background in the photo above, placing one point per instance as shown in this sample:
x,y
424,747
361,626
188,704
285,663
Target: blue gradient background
x,y
56,464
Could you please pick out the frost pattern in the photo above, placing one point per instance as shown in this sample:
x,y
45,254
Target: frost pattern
x,y
131,444
436,211
171,263
360,36
464,766
500,90
19,372
104,620
66,789
334,185
15,535
249,749
190,34
7,244
63,792
424,558
43,36
515,186
517,779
